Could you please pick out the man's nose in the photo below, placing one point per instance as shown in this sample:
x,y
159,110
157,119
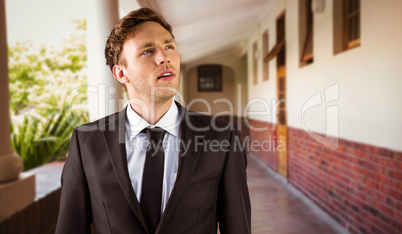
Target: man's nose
x,y
162,57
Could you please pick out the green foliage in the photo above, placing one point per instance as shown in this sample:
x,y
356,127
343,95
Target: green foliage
x,y
40,82
41,141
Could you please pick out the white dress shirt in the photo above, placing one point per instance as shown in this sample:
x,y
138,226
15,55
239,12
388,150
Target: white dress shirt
x,y
137,142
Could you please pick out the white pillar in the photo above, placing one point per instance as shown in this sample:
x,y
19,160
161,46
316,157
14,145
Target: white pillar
x,y
104,92
16,191
10,163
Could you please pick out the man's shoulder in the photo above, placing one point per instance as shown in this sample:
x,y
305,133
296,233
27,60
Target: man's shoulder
x,y
107,122
213,122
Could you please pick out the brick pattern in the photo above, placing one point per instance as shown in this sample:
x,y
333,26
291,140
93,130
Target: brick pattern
x,y
268,157
41,216
358,185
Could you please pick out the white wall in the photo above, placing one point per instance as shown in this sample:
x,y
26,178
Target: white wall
x,y
369,77
263,93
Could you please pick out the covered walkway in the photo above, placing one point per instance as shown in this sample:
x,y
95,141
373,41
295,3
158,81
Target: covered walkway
x,y
276,208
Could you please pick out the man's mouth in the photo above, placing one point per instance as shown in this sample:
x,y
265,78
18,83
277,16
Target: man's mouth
x,y
166,76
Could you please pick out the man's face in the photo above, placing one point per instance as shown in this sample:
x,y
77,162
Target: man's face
x,y
152,63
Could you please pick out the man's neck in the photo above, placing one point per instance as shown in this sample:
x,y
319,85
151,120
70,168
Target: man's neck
x,y
151,113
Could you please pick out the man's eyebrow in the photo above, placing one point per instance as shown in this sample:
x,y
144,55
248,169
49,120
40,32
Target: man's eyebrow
x,y
151,44
171,40
147,45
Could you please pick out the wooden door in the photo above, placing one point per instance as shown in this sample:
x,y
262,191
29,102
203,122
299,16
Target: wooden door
x,y
281,121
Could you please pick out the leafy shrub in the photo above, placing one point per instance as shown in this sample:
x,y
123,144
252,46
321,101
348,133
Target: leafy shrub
x,y
39,141
40,82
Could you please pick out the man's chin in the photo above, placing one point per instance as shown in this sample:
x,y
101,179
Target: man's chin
x,y
162,91
165,96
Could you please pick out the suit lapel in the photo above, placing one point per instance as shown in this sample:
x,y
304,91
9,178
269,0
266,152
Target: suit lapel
x,y
187,160
114,138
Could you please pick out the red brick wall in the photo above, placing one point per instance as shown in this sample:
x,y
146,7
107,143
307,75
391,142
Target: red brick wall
x,y
268,157
358,185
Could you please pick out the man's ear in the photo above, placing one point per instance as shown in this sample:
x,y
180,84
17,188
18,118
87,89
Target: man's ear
x,y
120,74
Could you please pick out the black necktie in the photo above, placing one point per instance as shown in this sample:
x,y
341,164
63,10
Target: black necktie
x,y
152,180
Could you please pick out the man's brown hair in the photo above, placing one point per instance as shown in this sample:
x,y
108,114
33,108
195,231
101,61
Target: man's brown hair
x,y
125,29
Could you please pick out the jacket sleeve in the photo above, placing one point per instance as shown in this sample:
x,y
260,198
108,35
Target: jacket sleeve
x,y
234,209
75,207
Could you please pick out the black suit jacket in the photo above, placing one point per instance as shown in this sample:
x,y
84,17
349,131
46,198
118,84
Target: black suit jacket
x,y
210,187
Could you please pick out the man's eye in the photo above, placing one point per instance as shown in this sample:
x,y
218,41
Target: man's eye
x,y
147,52
170,47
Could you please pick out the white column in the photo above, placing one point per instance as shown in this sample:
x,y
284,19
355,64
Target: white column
x,y
16,191
104,92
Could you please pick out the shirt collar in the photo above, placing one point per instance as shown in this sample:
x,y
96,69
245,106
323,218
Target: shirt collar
x,y
169,122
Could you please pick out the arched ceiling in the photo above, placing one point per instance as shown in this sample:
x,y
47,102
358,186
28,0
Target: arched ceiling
x,y
205,28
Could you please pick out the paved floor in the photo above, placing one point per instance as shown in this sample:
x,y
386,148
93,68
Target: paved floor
x,y
277,210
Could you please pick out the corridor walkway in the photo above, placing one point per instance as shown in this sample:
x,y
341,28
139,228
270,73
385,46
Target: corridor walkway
x,y
277,210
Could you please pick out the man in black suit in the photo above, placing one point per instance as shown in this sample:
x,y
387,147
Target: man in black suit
x,y
154,167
